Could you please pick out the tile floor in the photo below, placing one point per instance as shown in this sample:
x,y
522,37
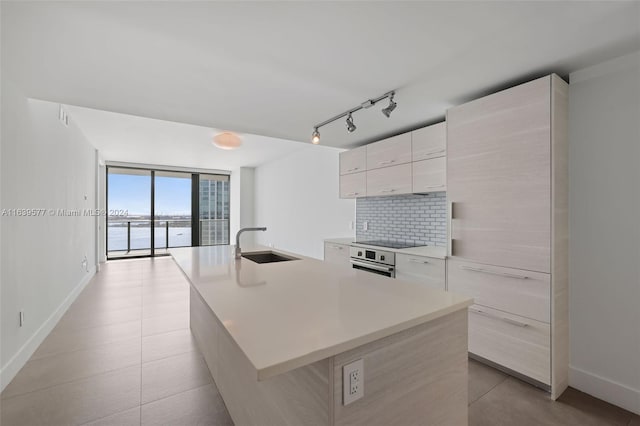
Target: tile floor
x,y
123,355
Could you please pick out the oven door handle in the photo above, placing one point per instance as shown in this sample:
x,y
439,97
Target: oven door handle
x,y
372,266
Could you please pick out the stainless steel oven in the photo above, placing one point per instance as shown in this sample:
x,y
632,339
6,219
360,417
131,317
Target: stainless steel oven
x,y
373,260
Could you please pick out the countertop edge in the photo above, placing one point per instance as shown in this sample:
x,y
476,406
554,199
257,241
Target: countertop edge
x,y
289,365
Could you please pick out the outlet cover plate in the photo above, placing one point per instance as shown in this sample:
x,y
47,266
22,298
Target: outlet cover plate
x,y
352,382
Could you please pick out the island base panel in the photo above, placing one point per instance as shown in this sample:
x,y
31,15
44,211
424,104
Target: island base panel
x,y
418,376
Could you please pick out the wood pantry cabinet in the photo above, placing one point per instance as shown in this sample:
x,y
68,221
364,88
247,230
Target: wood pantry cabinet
x,y
507,189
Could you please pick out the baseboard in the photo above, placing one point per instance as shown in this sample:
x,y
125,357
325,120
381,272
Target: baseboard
x,y
16,362
605,389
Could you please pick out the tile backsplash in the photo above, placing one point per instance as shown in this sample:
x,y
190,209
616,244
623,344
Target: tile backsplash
x,y
411,218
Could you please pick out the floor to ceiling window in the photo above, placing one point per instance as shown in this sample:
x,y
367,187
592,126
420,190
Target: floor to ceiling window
x,y
152,211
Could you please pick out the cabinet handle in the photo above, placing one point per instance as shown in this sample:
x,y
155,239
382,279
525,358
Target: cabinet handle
x,y
434,186
386,191
337,247
382,163
417,261
501,318
436,151
354,169
351,194
450,228
488,271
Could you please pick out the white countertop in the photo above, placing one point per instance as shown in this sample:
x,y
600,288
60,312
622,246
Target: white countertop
x,y
424,251
285,315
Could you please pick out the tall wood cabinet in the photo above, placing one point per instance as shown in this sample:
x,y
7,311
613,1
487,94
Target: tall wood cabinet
x,y
507,188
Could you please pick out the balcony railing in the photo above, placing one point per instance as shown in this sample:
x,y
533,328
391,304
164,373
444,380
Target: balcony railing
x,y
133,235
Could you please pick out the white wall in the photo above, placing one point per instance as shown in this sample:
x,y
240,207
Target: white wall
x,y
296,198
604,220
45,165
241,205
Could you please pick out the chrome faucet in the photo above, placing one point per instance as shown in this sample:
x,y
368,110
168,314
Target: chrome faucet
x,y
238,251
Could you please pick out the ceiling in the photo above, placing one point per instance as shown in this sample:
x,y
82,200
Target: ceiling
x,y
277,68
124,137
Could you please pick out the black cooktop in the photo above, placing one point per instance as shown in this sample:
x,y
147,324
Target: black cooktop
x,y
388,244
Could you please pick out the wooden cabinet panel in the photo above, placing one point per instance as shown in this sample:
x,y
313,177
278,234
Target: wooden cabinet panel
x,y
498,176
429,175
353,185
429,142
389,181
518,343
389,152
423,270
520,292
337,254
353,161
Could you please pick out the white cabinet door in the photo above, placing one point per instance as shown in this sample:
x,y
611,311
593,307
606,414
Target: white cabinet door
x,y
353,185
423,270
429,142
389,181
353,161
389,152
336,254
499,177
429,175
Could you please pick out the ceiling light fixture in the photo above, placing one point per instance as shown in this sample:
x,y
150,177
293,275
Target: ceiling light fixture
x,y
227,140
392,105
351,127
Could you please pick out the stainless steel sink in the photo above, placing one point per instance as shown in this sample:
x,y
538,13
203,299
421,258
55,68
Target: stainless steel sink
x,y
267,257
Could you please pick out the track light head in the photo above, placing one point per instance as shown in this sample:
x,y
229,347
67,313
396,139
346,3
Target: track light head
x,y
389,109
350,126
315,136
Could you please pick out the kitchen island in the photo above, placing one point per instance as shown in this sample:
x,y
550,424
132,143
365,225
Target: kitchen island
x,y
275,337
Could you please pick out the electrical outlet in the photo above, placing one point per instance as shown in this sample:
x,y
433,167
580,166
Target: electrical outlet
x,y
352,382
365,226
351,225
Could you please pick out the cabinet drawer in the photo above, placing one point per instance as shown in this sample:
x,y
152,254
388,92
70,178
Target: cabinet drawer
x,y
389,181
389,152
353,185
424,270
429,175
336,254
353,161
518,343
429,142
520,292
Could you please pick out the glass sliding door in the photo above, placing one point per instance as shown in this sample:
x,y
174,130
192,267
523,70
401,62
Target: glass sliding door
x,y
152,211
129,208
213,199
172,210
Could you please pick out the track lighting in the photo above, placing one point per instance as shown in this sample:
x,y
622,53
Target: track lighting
x,y
315,136
392,105
351,127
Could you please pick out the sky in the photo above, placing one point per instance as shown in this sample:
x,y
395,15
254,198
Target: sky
x,y
133,193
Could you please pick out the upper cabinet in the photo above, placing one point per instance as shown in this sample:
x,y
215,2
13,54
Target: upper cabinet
x,y
389,152
416,163
429,142
353,161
